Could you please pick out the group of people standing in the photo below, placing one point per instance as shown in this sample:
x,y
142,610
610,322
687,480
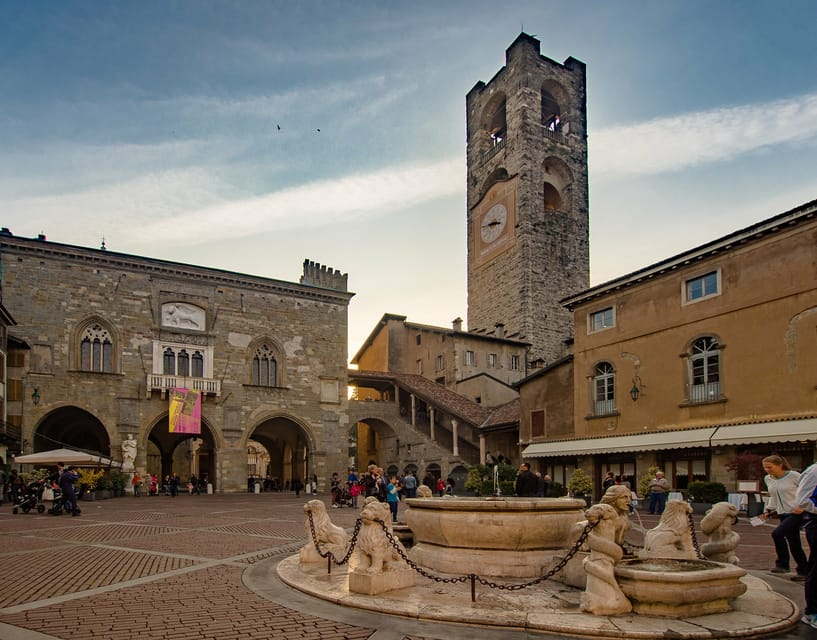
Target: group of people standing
x,y
532,485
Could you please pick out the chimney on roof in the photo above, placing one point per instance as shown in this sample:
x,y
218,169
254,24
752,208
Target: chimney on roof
x,y
499,330
457,324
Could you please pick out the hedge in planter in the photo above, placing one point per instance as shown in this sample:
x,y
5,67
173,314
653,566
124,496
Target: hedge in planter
x,y
707,492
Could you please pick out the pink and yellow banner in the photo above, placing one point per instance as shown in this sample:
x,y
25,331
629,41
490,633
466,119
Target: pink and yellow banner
x,y
185,411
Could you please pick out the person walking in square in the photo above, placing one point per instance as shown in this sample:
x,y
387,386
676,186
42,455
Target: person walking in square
x,y
782,483
807,503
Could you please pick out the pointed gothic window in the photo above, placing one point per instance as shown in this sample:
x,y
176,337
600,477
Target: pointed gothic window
x,y
96,349
264,367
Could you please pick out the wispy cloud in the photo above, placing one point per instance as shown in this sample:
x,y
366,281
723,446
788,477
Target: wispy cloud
x,y
347,199
690,139
192,206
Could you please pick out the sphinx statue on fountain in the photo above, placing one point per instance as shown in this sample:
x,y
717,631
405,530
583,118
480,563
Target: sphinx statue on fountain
x,y
717,525
602,595
618,496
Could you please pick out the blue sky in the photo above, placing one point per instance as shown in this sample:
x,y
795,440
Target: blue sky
x,y
156,126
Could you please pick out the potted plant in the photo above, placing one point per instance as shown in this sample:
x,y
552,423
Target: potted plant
x,y
702,495
119,481
580,486
87,482
104,487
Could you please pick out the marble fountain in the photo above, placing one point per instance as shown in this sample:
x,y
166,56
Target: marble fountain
x,y
471,557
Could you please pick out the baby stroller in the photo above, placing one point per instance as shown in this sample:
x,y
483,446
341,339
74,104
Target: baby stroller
x,y
29,498
59,503
341,497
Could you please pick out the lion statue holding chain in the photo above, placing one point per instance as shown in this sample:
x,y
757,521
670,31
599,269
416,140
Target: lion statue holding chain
x,y
374,552
330,537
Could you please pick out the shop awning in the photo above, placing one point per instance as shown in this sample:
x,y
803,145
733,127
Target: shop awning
x,y
736,434
654,440
781,431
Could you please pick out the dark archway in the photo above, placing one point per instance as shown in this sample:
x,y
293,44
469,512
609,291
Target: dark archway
x,y
289,447
377,443
72,428
184,454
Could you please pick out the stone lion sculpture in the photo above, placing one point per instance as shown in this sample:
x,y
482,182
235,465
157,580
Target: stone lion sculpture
x,y
330,536
602,595
424,492
672,537
717,525
374,552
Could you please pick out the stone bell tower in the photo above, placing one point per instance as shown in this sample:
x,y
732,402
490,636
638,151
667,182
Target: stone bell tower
x,y
527,198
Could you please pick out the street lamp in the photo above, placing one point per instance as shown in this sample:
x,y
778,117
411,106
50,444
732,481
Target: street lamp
x,y
636,390
35,396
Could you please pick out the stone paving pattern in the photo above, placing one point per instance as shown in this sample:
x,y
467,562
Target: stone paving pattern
x,y
162,568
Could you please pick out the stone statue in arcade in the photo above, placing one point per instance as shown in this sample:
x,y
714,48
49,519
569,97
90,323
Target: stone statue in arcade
x,y
672,538
717,525
602,595
128,453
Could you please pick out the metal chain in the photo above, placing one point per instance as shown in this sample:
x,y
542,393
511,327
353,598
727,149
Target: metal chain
x,y
327,554
399,548
474,577
694,538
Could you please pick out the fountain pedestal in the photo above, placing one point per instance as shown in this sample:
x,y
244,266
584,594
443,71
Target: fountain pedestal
x,y
510,537
678,588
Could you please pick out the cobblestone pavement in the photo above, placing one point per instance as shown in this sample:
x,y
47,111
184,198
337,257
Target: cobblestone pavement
x,y
163,568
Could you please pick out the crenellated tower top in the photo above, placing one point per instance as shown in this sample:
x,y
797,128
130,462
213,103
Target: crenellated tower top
x,y
319,275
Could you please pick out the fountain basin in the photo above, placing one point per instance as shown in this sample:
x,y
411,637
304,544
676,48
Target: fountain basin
x,y
678,588
510,537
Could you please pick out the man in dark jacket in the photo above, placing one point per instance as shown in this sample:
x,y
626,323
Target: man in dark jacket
x,y
526,481
69,495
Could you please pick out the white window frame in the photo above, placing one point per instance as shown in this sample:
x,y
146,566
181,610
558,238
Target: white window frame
x,y
470,358
440,362
709,365
601,313
514,365
702,278
160,346
605,405
492,359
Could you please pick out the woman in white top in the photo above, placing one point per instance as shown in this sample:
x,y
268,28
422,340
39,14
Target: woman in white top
x,y
782,484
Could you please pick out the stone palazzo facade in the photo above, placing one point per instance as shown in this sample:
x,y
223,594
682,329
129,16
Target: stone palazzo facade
x,y
103,338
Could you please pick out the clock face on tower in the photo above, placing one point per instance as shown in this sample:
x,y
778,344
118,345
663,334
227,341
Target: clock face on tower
x,y
493,223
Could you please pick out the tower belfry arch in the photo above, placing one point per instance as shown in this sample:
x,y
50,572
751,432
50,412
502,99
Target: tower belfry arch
x,y
527,212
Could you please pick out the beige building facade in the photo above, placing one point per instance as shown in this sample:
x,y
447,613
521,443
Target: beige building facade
x,y
481,367
700,364
106,337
